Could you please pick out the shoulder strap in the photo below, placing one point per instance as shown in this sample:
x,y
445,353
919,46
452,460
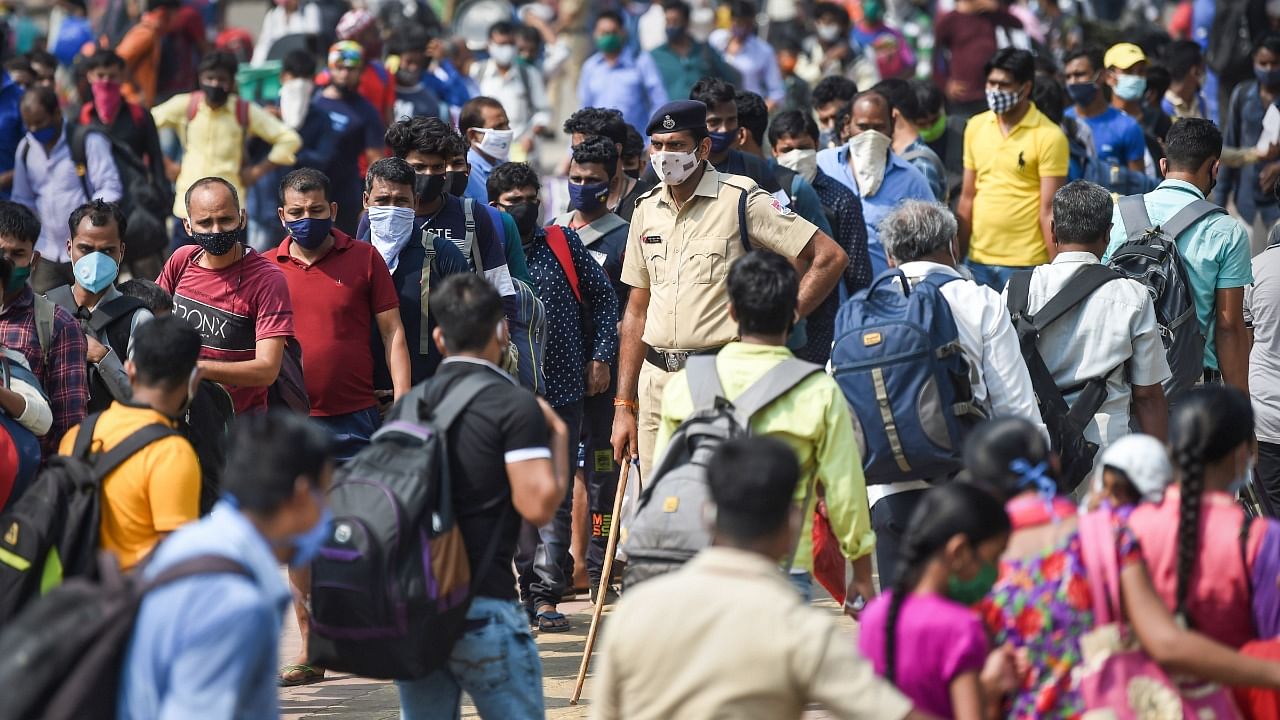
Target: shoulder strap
x,y
63,297
107,313
86,113
135,112
704,381
1133,213
1098,547
78,136
1081,286
108,461
199,565
742,221
559,245
84,437
242,114
1190,215
771,386
1244,550
193,104
425,341
469,223
43,311
1017,292
457,397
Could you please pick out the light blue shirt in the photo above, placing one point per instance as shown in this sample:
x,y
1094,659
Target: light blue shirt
x,y
901,182
631,85
205,646
478,180
756,61
1215,252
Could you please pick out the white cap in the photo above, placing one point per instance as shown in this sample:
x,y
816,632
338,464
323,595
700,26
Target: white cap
x,y
1143,460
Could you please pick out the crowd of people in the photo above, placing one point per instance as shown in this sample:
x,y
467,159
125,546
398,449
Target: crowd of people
x,y
988,283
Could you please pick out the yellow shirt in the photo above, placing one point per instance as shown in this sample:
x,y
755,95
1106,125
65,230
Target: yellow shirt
x,y
814,420
155,491
1006,206
213,144
683,256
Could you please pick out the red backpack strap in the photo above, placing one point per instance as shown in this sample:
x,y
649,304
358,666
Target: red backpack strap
x,y
242,114
193,104
86,113
135,112
559,245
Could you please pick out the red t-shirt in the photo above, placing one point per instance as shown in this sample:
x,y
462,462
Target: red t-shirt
x,y
965,42
335,301
233,308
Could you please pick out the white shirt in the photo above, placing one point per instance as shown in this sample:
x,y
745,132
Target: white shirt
x,y
1262,312
278,23
1114,329
526,109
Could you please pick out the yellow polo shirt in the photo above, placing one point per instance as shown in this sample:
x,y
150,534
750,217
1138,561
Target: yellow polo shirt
x,y
155,491
1006,206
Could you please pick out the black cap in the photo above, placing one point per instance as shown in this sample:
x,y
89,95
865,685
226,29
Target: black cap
x,y
678,115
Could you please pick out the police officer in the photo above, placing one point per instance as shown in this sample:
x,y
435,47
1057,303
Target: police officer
x,y
685,233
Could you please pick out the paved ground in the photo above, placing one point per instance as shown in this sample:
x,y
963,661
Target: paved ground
x,y
356,698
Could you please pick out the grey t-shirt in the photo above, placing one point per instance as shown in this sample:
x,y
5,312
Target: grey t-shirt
x,y
1262,311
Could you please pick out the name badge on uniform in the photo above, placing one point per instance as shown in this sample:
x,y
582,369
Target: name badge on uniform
x,y
651,239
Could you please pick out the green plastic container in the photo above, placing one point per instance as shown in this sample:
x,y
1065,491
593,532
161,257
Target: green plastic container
x,y
260,84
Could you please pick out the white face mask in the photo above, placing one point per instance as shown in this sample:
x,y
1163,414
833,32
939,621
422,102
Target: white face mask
x,y
673,168
389,231
827,33
803,162
496,144
503,55
869,152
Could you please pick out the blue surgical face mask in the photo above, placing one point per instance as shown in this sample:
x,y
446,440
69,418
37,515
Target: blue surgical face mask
x,y
95,271
309,233
1130,87
588,197
306,545
45,135
722,141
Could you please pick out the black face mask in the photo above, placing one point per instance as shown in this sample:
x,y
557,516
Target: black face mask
x,y
216,95
428,187
218,243
633,174
526,216
456,182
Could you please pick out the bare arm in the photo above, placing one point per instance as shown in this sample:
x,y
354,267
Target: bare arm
x,y
12,403
397,351
820,265
1232,339
966,696
1049,186
261,371
1152,410
630,355
538,485
964,212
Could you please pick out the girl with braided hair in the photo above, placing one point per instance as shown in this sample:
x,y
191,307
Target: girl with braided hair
x,y
922,635
1042,602
1201,553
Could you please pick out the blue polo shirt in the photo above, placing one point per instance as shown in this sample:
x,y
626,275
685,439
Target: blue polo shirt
x,y
205,646
11,127
901,182
1117,137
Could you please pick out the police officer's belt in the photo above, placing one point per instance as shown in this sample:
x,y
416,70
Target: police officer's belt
x,y
674,360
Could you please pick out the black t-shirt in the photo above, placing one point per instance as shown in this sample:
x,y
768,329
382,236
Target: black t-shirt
x,y
502,424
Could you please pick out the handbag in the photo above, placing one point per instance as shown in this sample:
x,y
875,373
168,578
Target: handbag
x,y
1117,680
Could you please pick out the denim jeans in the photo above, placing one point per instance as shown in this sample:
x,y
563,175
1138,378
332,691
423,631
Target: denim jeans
x,y
495,661
803,583
351,432
543,563
993,276
889,518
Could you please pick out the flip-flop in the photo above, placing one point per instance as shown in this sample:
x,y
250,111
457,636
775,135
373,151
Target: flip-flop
x,y
550,621
309,675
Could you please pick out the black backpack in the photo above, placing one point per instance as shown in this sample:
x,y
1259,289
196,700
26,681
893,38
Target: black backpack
x,y
52,531
207,425
62,657
1066,424
392,584
1150,255
115,320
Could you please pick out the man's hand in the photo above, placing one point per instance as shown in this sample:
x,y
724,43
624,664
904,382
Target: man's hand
x,y
597,377
251,175
623,437
526,142
96,350
859,587
1267,177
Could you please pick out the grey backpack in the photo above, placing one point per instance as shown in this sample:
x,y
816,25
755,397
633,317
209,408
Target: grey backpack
x,y
669,526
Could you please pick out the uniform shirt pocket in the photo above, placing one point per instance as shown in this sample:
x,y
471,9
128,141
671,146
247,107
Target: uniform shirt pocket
x,y
707,259
655,259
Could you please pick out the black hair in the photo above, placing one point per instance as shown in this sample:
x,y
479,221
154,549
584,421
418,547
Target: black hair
x,y
1269,42
840,123
1050,98
900,96
753,114
18,63
304,180
742,9
929,98
1158,80
99,212
792,123
413,38
502,27
832,88
44,97
995,446
467,309
633,146
752,482
211,180
472,113
679,6
1021,64
18,222
393,170
1181,57
164,351
153,297
1093,54
597,150
1207,423
299,63
1082,213
831,10
613,15
42,57
763,288
943,513
269,452
510,176
219,60
427,135
530,34
101,58
606,122
711,91
1190,142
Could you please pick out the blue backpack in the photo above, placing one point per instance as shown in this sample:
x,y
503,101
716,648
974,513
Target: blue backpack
x,y
897,358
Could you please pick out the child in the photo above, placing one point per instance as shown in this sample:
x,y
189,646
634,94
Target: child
x,y
921,635
1132,470
153,297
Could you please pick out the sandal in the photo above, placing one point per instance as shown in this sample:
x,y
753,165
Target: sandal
x,y
308,675
550,621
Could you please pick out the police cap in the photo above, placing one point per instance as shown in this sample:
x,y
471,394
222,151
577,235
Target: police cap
x,y
678,115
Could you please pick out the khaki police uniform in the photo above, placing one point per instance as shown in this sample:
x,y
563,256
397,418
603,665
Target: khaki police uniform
x,y
682,256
